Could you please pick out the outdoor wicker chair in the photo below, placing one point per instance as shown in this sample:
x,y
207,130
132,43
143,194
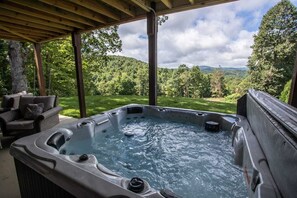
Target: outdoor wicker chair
x,y
10,102
35,114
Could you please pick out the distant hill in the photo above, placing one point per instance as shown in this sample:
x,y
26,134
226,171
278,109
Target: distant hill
x,y
228,71
210,69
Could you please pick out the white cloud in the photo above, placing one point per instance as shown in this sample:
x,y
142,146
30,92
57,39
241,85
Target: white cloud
x,y
253,5
218,35
133,27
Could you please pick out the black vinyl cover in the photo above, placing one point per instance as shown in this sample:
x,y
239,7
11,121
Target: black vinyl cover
x,y
273,125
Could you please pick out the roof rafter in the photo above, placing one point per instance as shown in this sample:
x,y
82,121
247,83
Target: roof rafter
x,y
120,5
16,15
45,20
142,4
25,29
50,10
192,2
41,15
78,10
94,6
30,24
167,3
5,33
16,33
30,33
15,38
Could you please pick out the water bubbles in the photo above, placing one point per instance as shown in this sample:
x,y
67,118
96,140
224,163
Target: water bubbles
x,y
176,156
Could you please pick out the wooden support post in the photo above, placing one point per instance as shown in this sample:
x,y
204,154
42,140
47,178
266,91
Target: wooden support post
x,y
38,61
76,43
293,93
152,29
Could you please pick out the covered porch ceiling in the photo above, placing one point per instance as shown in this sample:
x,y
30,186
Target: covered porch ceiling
x,y
39,21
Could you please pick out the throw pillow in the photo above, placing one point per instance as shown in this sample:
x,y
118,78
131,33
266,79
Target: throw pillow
x,y
32,111
7,101
10,102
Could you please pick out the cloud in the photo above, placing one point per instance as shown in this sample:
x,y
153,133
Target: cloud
x,y
133,28
213,36
253,5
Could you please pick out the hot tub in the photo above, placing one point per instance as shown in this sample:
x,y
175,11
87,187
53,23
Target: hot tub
x,y
61,162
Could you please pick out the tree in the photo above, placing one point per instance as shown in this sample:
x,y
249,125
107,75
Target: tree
x,y
58,61
286,92
183,79
217,83
274,49
171,87
5,79
199,84
19,80
100,42
141,81
59,69
127,85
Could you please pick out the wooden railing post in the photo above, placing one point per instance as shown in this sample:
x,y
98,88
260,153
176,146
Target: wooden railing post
x,y
76,43
152,29
38,62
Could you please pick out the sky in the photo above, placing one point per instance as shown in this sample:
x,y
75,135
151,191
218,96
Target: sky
x,y
220,35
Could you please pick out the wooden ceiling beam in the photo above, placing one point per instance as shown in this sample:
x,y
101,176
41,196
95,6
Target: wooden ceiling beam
x,y
184,5
54,38
27,18
27,35
30,24
54,11
142,4
31,34
14,38
134,10
96,7
40,15
167,3
4,33
121,6
24,29
16,33
78,10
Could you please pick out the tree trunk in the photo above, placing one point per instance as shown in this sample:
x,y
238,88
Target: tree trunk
x,y
18,77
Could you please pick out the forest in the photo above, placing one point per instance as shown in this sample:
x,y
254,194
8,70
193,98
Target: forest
x,y
116,75
270,65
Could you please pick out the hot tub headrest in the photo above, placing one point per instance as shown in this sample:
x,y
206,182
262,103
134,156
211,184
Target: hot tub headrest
x,y
56,140
133,110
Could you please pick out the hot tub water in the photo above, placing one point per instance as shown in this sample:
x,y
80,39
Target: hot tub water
x,y
181,157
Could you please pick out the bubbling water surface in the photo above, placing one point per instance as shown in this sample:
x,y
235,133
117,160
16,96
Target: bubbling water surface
x,y
181,157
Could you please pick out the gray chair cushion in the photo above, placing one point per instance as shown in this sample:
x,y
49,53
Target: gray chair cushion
x,y
16,102
48,102
24,100
32,111
20,124
7,101
12,100
2,110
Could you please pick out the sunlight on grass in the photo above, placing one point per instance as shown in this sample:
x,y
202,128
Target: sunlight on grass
x,y
71,112
98,104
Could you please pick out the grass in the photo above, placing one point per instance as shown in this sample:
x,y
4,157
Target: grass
x,y
98,104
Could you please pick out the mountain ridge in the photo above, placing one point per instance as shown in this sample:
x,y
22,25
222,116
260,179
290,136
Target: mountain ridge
x,y
203,68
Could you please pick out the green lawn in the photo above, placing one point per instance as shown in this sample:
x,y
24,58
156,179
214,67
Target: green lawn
x,y
98,104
